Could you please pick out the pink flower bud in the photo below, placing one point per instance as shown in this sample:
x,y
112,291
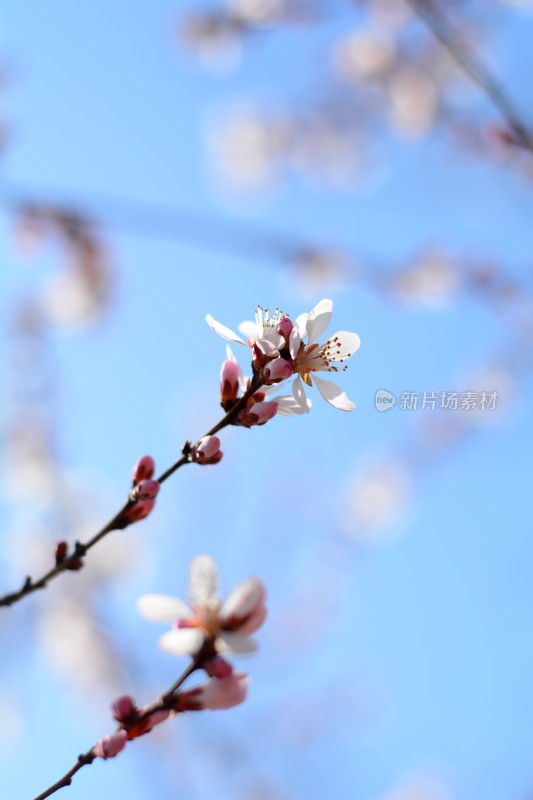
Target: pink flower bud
x,y
145,725
61,552
258,414
146,490
279,369
138,511
111,744
230,377
285,327
143,470
218,667
124,709
207,450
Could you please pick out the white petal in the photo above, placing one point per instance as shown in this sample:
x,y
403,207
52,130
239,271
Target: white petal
x,y
226,333
319,319
182,641
162,608
295,340
349,344
229,642
300,323
289,407
298,392
270,343
333,394
244,598
203,579
250,330
229,354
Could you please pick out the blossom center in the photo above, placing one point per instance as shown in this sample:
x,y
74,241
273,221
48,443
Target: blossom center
x,y
319,358
268,323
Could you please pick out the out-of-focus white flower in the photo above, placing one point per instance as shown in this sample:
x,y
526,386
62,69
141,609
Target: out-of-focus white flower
x,y
433,280
377,500
413,101
364,54
228,625
277,337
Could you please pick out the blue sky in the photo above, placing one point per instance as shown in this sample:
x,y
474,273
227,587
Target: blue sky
x,y
404,653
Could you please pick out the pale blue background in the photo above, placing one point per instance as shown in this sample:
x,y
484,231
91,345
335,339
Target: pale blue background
x,y
377,660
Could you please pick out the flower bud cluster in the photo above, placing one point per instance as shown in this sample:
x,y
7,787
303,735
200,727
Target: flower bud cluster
x,y
144,492
206,451
74,560
134,722
257,410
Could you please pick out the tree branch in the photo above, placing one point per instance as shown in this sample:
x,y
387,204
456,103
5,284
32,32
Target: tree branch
x,y
120,520
474,68
165,702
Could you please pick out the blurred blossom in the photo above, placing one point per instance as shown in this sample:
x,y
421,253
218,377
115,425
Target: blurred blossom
x,y
325,148
258,12
68,301
432,280
365,54
413,101
492,378
32,470
228,625
246,148
376,500
389,14
214,37
319,270
77,647
77,296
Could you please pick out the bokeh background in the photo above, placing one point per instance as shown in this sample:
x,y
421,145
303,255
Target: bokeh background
x,y
165,160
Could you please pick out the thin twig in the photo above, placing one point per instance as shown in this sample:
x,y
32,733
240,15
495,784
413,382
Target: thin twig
x,y
166,701
120,521
472,66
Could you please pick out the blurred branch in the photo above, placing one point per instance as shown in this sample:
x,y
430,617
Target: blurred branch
x,y
196,228
472,66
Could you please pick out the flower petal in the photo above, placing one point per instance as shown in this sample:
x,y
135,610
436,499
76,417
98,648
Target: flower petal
x,y
349,344
333,394
250,330
203,580
229,642
295,340
270,343
319,319
244,598
254,621
289,407
298,392
162,607
226,333
182,641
